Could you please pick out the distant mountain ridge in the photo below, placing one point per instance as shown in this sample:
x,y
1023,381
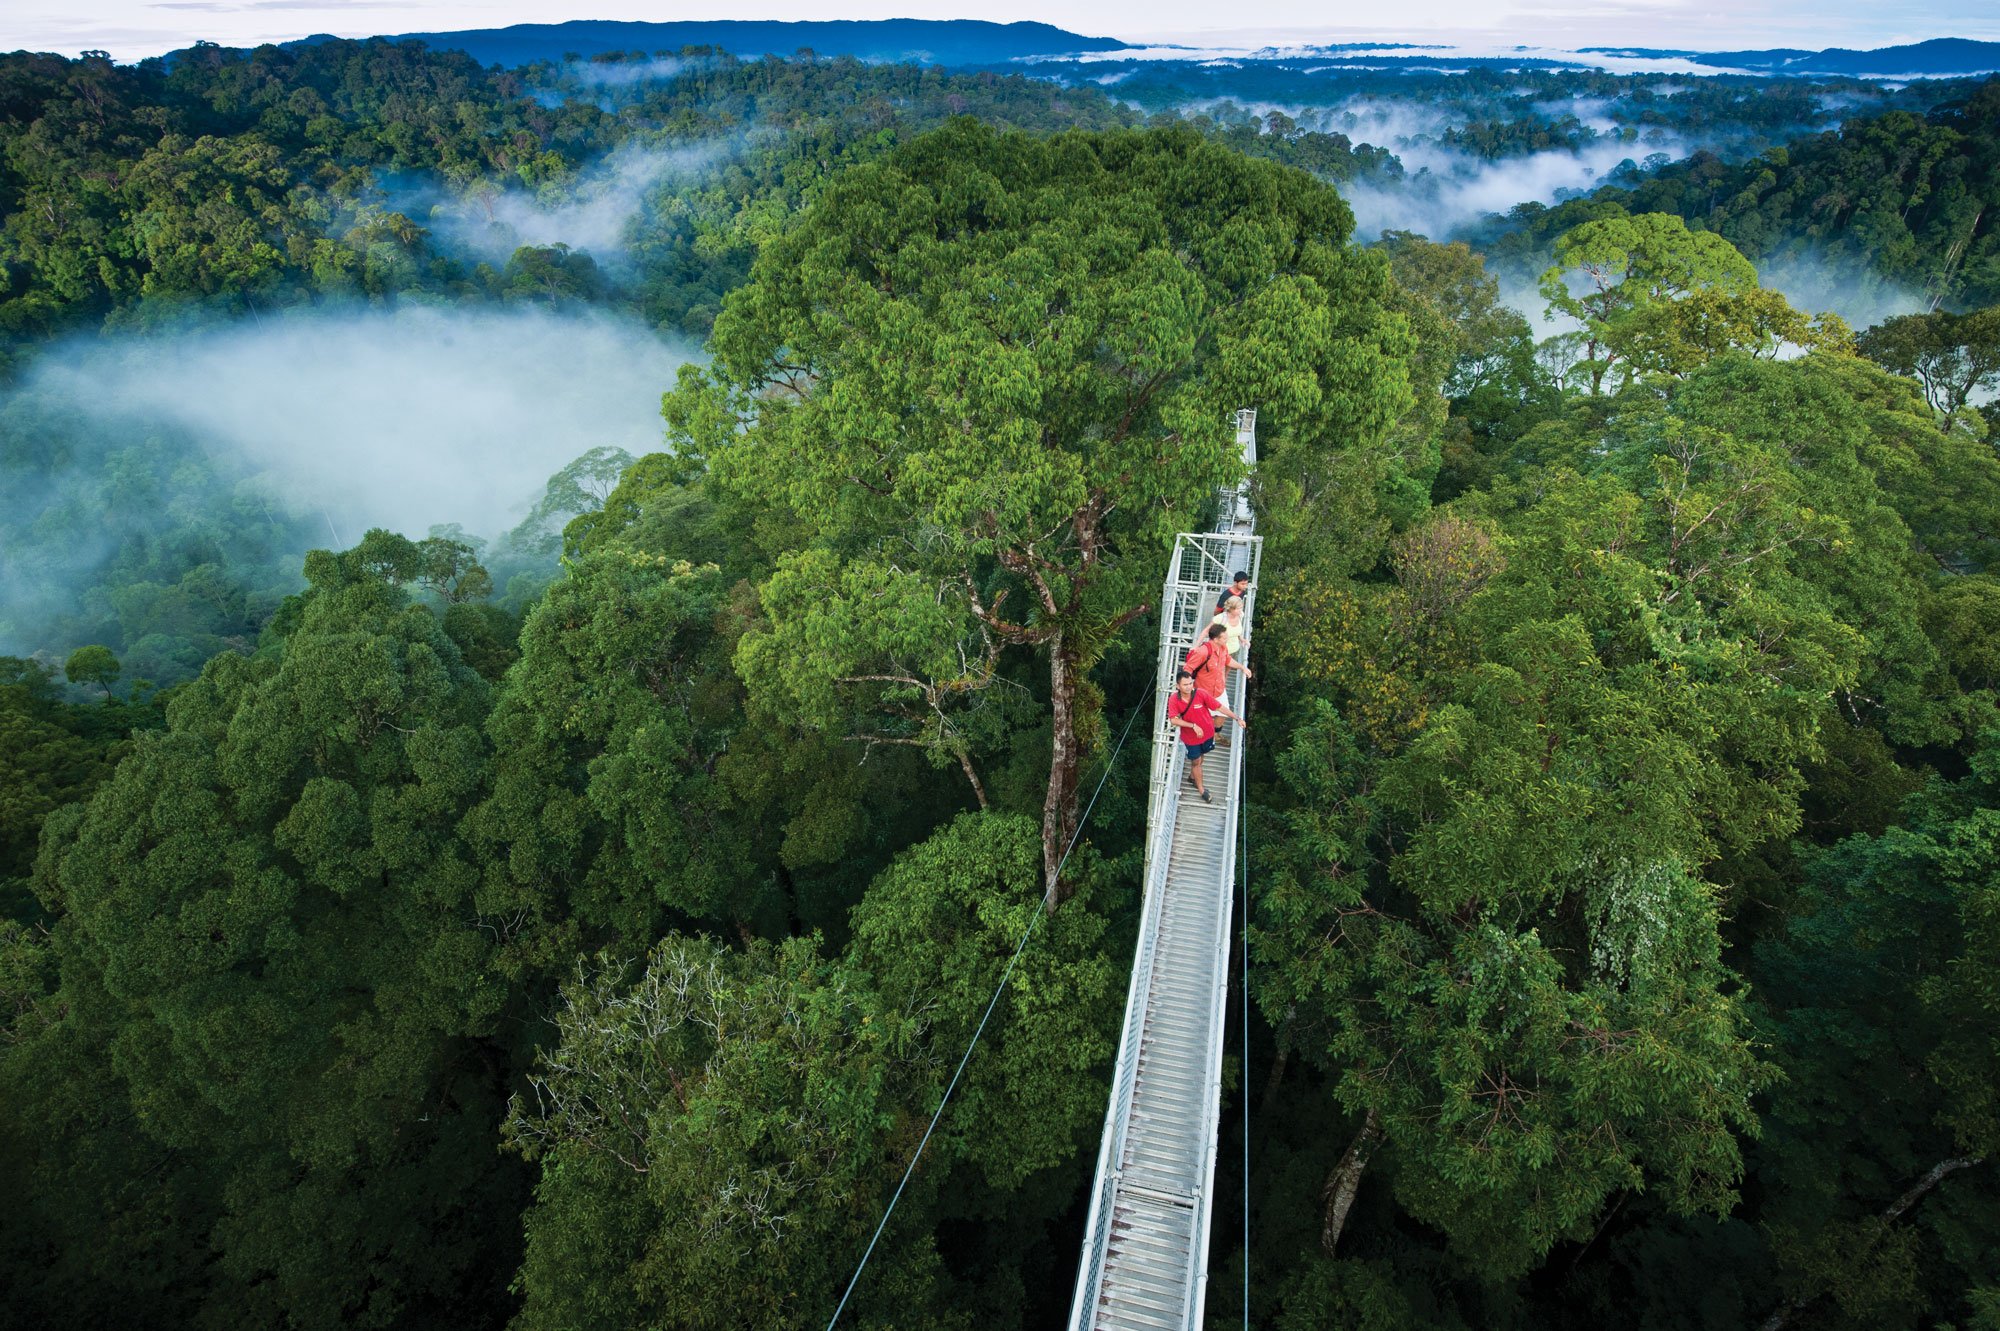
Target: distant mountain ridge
x,y
977,42
917,41
1940,57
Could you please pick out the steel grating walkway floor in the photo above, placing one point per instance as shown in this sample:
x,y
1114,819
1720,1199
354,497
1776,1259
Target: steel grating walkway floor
x,y
1166,1145
1145,1254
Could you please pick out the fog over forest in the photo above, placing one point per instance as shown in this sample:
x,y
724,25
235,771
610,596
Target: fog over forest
x,y
418,415
1443,190
594,211
421,414
403,418
395,418
1812,282
1446,190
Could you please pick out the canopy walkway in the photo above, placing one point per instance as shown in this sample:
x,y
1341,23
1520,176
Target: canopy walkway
x,y
1145,1246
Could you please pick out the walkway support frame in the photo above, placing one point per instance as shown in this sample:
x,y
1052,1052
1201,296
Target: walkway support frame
x,y
1145,1246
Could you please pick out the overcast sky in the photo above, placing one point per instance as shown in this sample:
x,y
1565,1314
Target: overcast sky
x,y
131,29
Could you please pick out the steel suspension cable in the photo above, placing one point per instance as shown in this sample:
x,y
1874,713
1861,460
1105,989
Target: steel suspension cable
x,y
1005,974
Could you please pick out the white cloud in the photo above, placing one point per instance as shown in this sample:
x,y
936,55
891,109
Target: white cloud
x,y
594,214
1456,189
396,419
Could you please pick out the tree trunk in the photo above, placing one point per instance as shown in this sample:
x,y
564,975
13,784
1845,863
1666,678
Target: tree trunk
x,y
1059,807
1345,1181
978,786
1284,1057
1893,1212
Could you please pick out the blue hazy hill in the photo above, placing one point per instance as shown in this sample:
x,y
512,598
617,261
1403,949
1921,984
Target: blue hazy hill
x,y
921,41
1940,57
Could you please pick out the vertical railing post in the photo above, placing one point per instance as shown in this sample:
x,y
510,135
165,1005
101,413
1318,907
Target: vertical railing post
x,y
1200,565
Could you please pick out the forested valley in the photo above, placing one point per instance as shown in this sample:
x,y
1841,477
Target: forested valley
x,y
564,905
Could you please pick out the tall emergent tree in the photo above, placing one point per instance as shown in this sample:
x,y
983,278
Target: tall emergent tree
x,y
92,665
1653,298
1952,355
985,380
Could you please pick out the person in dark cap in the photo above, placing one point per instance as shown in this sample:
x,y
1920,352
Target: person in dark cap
x,y
1239,586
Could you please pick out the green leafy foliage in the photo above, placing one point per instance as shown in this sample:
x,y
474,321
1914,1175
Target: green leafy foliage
x,y
1883,1015
265,926
52,753
715,1136
992,375
720,1133
1900,199
1654,298
935,931
602,811
596,954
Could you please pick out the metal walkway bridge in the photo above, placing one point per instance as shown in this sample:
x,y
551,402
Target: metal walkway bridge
x,y
1145,1246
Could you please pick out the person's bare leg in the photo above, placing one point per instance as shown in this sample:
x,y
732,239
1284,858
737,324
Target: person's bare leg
x,y
1199,788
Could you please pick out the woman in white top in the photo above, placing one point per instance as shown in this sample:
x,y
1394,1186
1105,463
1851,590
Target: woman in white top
x,y
1231,620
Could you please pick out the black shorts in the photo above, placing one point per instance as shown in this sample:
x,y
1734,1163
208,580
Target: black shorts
x,y
1197,750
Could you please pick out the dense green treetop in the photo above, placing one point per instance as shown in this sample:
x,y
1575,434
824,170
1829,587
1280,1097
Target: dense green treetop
x,y
1883,1015
1911,200
993,374
721,1132
581,930
1535,770
266,921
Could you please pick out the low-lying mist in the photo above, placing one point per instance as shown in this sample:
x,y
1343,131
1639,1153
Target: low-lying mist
x,y
1446,191
611,85
1811,281
1444,188
1469,150
395,419
595,212
624,73
134,462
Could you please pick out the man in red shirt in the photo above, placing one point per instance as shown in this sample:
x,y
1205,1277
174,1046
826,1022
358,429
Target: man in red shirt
x,y
1193,711
1211,662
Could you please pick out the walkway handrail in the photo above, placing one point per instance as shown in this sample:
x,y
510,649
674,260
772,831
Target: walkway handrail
x,y
1201,565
